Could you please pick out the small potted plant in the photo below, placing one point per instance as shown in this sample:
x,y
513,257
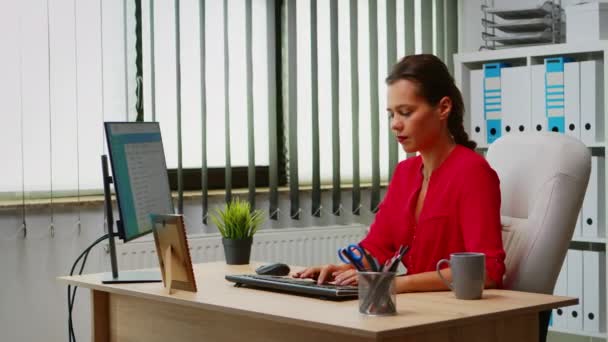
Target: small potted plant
x,y
237,223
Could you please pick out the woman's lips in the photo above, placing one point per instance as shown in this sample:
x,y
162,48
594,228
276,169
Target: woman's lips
x,y
401,138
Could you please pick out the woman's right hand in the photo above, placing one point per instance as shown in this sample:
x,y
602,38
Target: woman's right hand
x,y
322,274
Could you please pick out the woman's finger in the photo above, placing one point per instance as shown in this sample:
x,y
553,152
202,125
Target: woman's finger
x,y
342,268
352,280
339,274
325,273
307,273
346,277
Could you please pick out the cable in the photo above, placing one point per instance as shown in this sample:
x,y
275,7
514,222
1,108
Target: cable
x,y
73,297
72,292
71,304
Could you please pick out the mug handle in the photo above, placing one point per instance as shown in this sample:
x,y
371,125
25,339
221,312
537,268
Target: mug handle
x,y
440,275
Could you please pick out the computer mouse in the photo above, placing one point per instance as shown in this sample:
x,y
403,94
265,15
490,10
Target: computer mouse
x,y
276,269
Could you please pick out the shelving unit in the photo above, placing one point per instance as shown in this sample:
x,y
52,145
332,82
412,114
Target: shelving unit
x,y
580,333
589,239
467,63
594,146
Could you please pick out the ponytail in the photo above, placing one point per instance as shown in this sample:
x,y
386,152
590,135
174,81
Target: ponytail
x,y
460,135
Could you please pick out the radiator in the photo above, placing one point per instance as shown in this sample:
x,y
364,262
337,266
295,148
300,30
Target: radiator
x,y
294,246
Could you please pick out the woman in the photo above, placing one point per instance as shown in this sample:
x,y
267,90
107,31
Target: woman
x,y
445,200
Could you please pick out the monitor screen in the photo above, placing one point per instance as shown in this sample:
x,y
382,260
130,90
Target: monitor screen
x,y
139,173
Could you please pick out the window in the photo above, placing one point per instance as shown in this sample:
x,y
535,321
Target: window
x,y
63,77
65,69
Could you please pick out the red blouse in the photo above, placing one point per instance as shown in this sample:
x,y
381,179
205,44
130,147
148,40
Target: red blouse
x,y
461,213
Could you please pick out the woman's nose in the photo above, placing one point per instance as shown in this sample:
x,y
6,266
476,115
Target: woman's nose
x,y
396,124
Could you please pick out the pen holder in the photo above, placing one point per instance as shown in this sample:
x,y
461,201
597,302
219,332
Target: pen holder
x,y
377,293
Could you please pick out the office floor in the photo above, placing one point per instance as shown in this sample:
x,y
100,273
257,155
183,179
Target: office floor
x,y
556,337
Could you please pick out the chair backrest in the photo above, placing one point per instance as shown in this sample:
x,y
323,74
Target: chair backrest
x,y
543,178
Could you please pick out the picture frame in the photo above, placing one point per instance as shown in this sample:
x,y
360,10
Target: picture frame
x,y
173,252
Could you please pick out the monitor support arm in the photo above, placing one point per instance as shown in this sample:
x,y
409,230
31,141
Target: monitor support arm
x,y
107,180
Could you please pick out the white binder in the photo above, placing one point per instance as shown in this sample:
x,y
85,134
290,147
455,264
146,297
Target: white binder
x,y
492,100
561,289
478,124
593,217
515,99
594,291
572,110
538,115
574,313
554,93
592,102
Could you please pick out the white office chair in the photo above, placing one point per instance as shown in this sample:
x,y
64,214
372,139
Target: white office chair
x,y
543,178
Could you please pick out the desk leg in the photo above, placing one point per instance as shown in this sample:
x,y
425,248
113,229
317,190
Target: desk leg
x,y
100,309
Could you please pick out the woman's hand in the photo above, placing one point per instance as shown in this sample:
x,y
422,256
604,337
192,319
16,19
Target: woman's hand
x,y
326,273
346,277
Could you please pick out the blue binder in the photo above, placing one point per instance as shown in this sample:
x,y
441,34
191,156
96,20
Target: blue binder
x,y
554,93
492,100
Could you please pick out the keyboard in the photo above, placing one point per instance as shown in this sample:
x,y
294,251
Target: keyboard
x,y
306,287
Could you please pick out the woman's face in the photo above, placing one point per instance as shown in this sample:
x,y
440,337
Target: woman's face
x,y
416,124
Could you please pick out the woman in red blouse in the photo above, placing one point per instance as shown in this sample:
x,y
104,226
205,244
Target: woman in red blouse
x,y
445,200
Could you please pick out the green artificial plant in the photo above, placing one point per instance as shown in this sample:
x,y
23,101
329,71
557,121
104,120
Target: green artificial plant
x,y
236,220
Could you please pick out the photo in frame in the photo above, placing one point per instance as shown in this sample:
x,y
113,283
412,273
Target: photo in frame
x,y
173,252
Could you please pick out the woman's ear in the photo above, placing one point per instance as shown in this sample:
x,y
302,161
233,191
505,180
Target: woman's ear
x,y
444,107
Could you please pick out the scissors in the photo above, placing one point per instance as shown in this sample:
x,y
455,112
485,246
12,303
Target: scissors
x,y
354,255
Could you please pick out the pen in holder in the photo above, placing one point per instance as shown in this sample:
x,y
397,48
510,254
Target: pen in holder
x,y
377,293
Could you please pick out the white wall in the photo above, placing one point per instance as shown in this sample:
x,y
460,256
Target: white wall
x,y
33,305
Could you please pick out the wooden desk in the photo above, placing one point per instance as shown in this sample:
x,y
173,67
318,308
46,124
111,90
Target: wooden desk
x,y
222,312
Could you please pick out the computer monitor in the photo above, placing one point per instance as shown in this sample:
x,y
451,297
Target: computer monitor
x,y
139,174
141,184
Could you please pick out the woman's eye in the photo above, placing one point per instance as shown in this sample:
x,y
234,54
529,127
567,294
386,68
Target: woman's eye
x,y
392,114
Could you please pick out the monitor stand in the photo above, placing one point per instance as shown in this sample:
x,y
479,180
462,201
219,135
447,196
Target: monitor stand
x,y
116,277
126,277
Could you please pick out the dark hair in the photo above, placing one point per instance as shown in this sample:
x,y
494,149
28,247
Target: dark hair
x,y
434,82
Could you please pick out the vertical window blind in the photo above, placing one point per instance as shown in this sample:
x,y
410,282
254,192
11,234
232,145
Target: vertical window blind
x,y
66,67
220,53
228,80
344,49
329,81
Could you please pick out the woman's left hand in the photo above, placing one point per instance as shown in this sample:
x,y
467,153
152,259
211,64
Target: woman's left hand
x,y
347,277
